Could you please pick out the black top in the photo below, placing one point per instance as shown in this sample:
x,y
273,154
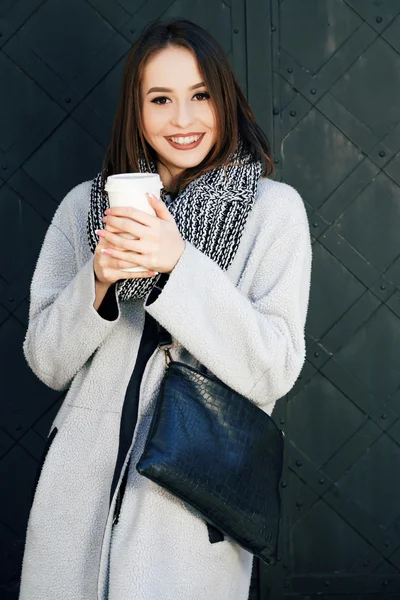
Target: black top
x,y
148,344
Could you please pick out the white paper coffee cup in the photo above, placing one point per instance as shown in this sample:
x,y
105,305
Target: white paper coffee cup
x,y
129,189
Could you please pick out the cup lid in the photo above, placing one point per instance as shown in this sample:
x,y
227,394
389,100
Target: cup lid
x,y
124,180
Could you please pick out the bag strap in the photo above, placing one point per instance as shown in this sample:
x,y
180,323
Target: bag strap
x,y
164,337
164,342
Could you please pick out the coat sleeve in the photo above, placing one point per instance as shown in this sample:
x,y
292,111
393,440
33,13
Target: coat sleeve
x,y
64,328
253,343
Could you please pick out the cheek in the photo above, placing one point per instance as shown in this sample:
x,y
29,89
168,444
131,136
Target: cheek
x,y
153,121
209,118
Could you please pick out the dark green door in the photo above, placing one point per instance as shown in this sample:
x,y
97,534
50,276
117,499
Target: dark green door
x,y
323,78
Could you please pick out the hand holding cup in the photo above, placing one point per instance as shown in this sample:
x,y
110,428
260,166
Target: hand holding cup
x,y
108,269
155,244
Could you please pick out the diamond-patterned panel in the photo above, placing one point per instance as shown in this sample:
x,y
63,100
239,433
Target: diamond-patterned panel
x,y
370,481
372,353
24,398
96,112
58,33
335,288
69,156
22,238
325,540
21,101
336,130
392,34
378,105
322,402
18,469
313,31
318,157
372,222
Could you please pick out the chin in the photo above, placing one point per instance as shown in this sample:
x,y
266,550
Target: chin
x,y
185,162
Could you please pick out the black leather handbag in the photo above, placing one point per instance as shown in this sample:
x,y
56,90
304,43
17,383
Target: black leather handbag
x,y
219,453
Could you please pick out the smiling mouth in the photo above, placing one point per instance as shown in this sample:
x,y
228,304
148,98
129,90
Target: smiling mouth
x,y
185,142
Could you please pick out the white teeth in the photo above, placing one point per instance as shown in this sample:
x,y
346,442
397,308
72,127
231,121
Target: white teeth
x,y
185,140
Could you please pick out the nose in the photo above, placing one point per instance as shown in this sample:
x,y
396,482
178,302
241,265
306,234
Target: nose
x,y
183,115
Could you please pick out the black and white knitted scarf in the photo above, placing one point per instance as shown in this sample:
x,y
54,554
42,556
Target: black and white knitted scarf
x,y
210,213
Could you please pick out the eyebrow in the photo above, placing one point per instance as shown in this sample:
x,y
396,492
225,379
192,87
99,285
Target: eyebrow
x,y
163,89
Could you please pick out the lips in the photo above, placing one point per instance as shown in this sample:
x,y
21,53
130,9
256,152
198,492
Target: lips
x,y
186,146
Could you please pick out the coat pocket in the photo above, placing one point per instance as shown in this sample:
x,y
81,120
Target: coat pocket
x,y
214,534
42,459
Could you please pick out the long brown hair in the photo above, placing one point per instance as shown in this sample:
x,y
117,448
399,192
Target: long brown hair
x,y
233,113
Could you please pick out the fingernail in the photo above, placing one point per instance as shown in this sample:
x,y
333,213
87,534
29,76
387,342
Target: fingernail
x,y
107,212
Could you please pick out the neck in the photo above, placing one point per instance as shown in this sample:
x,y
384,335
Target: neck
x,y
166,174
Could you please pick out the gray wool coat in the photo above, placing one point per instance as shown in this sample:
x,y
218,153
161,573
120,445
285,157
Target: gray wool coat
x,y
245,325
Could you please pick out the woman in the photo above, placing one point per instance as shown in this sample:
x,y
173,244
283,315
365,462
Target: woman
x,y
98,529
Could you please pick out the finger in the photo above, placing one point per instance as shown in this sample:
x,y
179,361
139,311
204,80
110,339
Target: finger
x,y
126,225
138,275
111,229
123,255
103,244
131,213
120,242
160,208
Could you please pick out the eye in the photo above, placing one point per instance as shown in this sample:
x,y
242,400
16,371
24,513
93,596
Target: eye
x,y
203,95
160,100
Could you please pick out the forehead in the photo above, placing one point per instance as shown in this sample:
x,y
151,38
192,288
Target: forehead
x,y
172,67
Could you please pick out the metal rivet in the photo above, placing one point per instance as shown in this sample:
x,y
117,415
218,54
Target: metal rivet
x,y
379,19
387,544
383,287
382,153
316,354
313,91
283,483
322,480
299,463
292,113
236,31
290,70
1,34
277,161
276,111
4,167
67,99
18,427
282,421
10,299
132,30
366,563
299,503
315,224
273,28
327,583
384,416
385,582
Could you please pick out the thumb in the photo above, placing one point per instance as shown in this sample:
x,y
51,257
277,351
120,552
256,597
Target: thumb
x,y
159,207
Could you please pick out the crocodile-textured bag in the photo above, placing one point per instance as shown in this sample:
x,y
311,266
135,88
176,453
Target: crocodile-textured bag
x,y
219,453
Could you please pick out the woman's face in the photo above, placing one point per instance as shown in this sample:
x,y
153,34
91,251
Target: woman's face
x,y
177,113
